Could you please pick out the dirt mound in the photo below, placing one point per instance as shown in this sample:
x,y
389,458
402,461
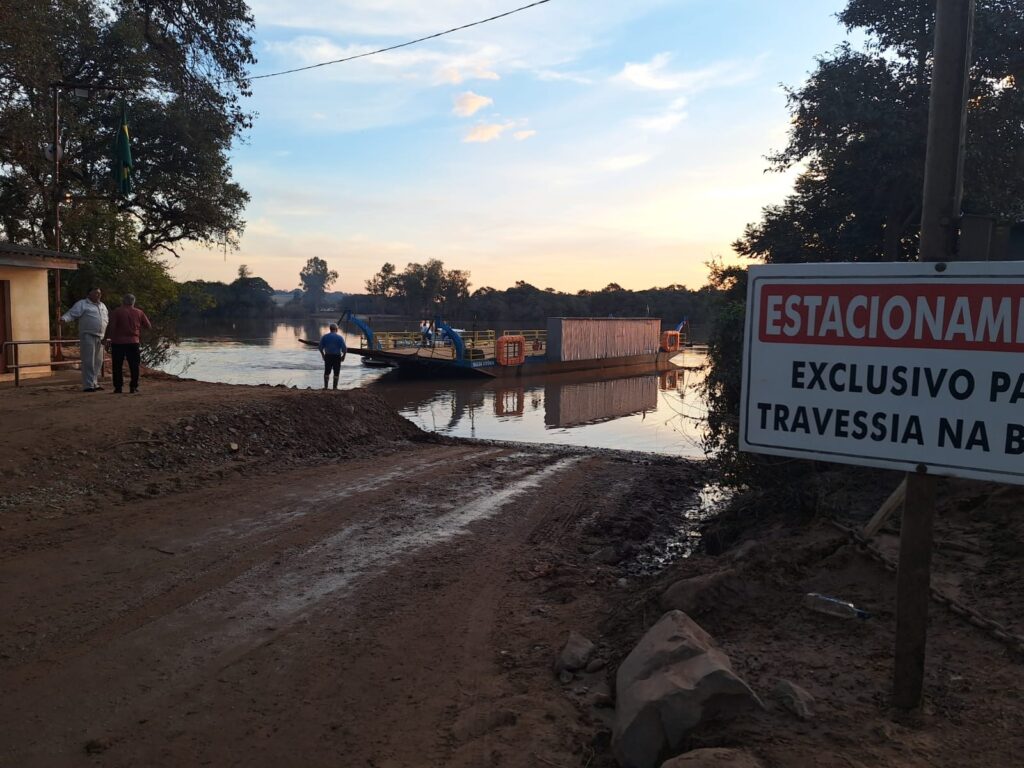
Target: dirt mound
x,y
69,453
307,424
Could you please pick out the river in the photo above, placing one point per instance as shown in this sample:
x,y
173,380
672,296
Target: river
x,y
657,412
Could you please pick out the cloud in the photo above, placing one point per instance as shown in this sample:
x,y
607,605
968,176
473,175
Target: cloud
x,y
523,135
623,162
654,75
431,66
485,132
469,103
661,123
553,75
453,75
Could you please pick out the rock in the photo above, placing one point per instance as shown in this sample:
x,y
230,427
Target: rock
x,y
744,550
97,746
606,555
575,654
565,677
794,698
233,447
602,701
714,758
596,665
699,594
674,680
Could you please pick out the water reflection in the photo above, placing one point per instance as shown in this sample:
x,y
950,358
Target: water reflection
x,y
568,405
658,412
661,413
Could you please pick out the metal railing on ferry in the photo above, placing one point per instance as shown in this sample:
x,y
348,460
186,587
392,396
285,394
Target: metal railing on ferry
x,y
536,341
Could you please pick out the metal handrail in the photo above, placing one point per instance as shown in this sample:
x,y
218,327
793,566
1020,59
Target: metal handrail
x,y
17,366
536,341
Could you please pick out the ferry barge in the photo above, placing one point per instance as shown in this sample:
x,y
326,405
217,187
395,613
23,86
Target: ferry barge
x,y
567,344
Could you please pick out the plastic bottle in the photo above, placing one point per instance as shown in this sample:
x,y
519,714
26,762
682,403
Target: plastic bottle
x,y
834,607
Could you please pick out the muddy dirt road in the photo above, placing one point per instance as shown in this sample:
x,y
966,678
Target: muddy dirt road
x,y
247,576
339,615
396,610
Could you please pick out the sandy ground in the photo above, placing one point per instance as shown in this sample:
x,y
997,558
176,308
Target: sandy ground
x,y
216,575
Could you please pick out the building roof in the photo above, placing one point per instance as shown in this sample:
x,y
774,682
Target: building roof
x,y
13,255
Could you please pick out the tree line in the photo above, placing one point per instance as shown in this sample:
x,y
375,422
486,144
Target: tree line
x,y
423,289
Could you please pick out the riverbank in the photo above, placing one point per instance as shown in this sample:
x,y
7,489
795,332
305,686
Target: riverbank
x,y
261,576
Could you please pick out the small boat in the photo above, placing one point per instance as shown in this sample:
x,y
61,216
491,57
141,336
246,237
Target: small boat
x,y
309,343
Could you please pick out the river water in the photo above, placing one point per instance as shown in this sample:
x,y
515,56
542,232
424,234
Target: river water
x,y
657,412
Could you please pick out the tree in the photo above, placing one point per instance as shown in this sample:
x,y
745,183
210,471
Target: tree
x,y
385,283
182,67
251,297
244,271
455,290
860,125
315,279
122,268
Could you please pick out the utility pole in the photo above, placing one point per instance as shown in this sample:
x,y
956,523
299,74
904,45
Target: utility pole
x,y
940,219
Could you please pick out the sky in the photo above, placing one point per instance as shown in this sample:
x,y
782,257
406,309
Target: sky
x,y
570,145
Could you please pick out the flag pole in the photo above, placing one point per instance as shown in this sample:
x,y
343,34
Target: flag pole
x,y
59,349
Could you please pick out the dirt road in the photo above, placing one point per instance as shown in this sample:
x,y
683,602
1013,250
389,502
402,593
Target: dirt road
x,y
398,610
229,576
339,615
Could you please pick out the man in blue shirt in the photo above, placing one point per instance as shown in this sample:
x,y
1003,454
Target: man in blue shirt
x,y
332,350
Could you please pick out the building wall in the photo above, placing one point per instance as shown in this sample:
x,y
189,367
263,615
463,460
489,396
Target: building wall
x,y
599,338
30,311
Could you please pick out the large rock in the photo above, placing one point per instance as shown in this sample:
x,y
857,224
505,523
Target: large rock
x,y
714,758
674,680
794,698
575,654
700,593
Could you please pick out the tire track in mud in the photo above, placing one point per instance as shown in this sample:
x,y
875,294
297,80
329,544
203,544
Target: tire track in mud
x,y
203,559
302,562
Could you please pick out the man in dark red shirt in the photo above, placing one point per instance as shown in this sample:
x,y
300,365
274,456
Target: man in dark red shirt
x,y
123,334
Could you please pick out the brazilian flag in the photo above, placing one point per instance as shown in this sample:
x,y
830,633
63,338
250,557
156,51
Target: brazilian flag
x,y
123,156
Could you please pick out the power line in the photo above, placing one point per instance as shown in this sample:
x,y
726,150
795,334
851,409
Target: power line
x,y
394,47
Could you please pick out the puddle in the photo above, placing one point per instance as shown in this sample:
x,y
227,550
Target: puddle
x,y
683,537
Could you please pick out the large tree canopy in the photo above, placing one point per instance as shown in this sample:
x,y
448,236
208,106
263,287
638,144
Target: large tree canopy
x,y
860,126
182,65
859,132
316,278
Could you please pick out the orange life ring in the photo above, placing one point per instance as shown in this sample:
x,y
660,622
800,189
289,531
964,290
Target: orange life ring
x,y
670,341
510,350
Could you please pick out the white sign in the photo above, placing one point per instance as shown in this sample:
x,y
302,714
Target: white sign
x,y
888,365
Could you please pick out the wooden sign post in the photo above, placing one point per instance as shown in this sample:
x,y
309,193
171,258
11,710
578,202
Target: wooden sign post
x,y
940,215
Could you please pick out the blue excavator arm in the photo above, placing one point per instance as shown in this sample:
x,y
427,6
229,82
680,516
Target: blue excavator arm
x,y
347,316
452,334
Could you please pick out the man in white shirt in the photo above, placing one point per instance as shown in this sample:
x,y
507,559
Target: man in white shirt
x,y
92,318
